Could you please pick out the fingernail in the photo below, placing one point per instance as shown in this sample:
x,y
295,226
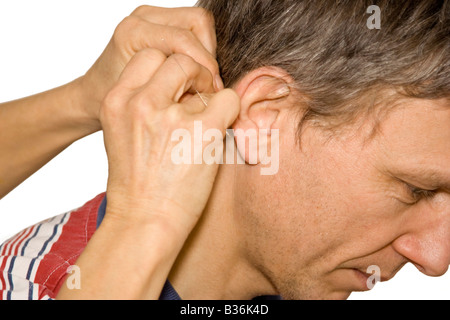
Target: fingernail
x,y
218,83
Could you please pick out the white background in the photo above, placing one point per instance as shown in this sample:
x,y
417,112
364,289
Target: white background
x,y
47,43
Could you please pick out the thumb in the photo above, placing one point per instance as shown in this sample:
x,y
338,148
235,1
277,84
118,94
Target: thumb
x,y
223,109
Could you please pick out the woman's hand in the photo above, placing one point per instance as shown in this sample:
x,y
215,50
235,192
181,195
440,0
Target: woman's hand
x,y
155,96
188,31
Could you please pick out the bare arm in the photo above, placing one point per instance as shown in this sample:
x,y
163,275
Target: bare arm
x,y
35,129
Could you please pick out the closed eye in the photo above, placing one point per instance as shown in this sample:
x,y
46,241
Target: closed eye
x,y
418,194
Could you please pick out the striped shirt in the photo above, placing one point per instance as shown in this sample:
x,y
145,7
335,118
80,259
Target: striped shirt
x,y
35,263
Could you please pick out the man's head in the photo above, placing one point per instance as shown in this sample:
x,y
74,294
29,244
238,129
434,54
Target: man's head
x,y
364,122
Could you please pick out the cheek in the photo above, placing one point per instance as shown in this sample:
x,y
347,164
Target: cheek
x,y
322,208
332,208
290,217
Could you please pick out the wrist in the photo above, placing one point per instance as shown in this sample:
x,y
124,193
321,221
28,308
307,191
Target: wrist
x,y
83,110
171,220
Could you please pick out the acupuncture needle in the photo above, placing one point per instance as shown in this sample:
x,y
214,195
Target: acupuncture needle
x,y
193,84
179,64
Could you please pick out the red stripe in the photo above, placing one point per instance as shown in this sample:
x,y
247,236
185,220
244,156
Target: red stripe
x,y
5,245
76,232
16,252
2,267
17,238
10,243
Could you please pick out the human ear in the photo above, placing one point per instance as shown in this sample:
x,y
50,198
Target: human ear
x,y
265,94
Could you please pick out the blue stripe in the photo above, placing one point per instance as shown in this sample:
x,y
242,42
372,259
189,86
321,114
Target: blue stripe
x,y
10,280
30,292
33,261
55,231
23,251
30,289
101,212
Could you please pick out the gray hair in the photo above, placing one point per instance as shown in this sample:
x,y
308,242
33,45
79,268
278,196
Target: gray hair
x,y
336,61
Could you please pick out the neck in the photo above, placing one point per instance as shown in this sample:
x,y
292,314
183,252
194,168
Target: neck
x,y
213,264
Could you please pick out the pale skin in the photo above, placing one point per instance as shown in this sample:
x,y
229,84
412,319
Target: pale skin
x,y
336,206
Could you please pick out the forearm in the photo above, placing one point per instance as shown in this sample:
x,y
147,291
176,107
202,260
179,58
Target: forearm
x,y
35,129
126,261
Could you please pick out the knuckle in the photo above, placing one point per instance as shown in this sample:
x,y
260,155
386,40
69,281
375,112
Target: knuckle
x,y
141,10
125,27
204,17
113,96
173,117
112,102
141,105
153,55
184,35
187,38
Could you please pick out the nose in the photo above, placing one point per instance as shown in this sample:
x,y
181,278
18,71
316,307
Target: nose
x,y
430,257
427,244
